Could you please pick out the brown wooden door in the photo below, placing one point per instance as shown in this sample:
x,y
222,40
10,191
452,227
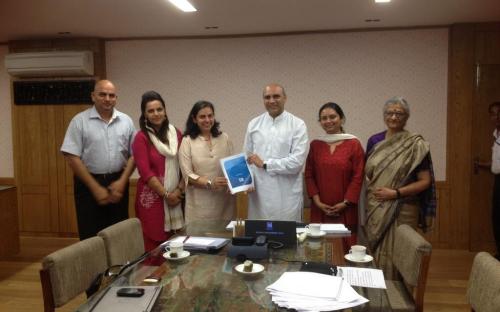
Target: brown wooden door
x,y
67,212
487,91
44,179
35,164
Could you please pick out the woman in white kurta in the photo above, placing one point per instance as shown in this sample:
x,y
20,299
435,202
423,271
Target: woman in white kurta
x,y
201,149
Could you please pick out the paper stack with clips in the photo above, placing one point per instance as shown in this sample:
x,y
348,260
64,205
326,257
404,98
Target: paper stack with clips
x,y
308,291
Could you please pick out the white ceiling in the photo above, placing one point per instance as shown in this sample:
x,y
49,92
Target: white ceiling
x,y
28,19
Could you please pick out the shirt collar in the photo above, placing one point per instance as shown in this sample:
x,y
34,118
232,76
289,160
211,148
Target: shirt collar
x,y
94,114
279,118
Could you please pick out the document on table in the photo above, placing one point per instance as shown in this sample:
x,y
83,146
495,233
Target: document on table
x,y
330,228
237,173
199,243
364,277
308,291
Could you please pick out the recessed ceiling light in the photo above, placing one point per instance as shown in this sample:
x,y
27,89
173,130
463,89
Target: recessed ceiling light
x,y
183,5
382,1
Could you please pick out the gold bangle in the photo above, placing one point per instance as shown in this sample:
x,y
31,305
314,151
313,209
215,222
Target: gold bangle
x,y
165,195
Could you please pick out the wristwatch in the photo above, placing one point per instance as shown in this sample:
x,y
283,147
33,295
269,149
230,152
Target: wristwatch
x,y
264,166
209,184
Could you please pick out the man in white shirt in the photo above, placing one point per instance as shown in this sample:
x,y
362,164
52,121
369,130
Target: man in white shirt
x,y
276,144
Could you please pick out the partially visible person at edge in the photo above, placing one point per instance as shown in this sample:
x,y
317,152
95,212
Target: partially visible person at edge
x,y
334,173
494,166
276,146
202,147
400,186
159,189
97,149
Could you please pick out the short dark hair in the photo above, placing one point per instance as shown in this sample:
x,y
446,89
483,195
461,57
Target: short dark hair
x,y
336,107
490,107
192,128
161,134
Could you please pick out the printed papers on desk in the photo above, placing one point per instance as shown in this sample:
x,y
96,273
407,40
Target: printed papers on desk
x,y
364,277
308,291
199,243
330,228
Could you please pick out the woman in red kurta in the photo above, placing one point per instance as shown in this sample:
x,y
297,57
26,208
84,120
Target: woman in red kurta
x,y
154,196
334,173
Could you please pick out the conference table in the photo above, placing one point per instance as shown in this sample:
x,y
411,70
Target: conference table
x,y
209,282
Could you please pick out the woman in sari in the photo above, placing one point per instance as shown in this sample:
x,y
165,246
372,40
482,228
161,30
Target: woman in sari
x,y
399,183
160,188
203,145
334,173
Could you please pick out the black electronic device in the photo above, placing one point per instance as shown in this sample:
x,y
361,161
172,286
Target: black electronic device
x,y
319,267
130,292
253,252
284,232
243,241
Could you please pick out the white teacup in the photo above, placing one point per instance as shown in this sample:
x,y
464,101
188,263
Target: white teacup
x,y
176,247
314,228
358,252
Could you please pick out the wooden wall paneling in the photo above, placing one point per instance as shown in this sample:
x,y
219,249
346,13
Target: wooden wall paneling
x,y
51,141
67,213
454,229
242,205
436,236
9,229
488,90
34,175
7,181
488,44
16,151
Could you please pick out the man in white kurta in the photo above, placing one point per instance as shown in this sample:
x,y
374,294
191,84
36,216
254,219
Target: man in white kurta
x,y
276,145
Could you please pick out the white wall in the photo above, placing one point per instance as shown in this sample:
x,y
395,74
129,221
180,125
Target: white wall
x,y
6,156
358,70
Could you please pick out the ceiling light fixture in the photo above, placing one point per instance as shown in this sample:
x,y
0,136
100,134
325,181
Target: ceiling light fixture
x,y
183,5
382,1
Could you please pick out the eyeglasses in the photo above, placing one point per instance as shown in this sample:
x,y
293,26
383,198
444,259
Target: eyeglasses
x,y
112,96
398,115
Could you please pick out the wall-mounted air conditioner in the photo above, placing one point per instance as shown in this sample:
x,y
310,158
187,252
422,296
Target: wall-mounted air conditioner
x,y
50,64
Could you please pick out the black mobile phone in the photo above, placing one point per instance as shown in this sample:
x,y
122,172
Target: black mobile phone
x,y
130,292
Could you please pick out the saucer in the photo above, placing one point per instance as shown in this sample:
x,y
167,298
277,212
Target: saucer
x,y
320,234
183,255
256,269
366,259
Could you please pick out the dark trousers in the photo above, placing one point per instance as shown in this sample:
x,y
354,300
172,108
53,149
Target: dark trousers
x,y
495,212
92,217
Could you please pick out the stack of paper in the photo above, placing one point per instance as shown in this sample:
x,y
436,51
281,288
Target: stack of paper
x,y
330,228
199,243
307,291
334,228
